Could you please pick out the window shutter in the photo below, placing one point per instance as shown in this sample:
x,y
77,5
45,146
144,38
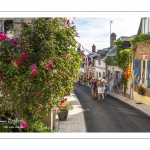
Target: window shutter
x,y
136,70
108,80
148,68
114,77
108,75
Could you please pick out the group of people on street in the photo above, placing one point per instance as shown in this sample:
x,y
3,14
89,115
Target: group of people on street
x,y
100,87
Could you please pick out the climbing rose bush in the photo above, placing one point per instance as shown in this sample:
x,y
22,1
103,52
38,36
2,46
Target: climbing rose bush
x,y
37,68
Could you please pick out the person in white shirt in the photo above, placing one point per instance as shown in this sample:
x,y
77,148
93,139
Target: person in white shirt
x,y
105,86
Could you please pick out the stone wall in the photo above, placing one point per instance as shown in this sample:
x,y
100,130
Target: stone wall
x,y
142,48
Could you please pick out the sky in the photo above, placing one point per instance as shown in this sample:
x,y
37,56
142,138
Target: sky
x,y
96,30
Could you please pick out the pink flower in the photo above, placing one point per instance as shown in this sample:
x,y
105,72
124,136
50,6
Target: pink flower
x,y
4,103
65,99
34,71
50,62
23,124
22,55
3,36
67,21
13,41
1,32
37,94
19,63
62,101
39,110
33,66
1,72
28,79
47,66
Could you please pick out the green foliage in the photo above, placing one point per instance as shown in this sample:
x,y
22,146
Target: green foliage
x,y
140,38
123,59
110,61
141,90
32,96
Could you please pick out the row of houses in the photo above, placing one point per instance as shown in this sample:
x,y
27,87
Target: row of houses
x,y
94,65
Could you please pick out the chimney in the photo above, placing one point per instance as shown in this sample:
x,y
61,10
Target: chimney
x,y
93,48
112,38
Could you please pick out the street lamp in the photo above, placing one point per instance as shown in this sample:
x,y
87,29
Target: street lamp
x,y
110,27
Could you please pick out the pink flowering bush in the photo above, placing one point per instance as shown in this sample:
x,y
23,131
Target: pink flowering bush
x,y
36,70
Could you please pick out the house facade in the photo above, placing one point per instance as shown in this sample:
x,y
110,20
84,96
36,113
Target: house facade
x,y
115,73
100,67
141,65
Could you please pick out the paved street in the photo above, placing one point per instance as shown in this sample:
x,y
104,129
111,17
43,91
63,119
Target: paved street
x,y
111,115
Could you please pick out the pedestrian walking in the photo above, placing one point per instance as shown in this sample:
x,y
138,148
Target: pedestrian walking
x,y
100,86
105,85
93,88
79,81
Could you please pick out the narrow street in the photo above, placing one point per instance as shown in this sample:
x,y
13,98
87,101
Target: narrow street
x,y
110,115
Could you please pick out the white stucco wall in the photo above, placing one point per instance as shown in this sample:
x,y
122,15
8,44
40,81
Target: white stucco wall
x,y
115,68
100,68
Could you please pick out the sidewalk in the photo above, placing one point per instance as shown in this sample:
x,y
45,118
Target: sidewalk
x,y
142,107
75,121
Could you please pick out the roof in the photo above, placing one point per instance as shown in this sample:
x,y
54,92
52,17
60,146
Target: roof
x,y
140,28
112,51
125,38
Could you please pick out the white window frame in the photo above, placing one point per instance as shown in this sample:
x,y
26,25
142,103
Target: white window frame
x,y
146,72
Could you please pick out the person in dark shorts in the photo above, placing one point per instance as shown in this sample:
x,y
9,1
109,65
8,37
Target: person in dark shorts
x,y
93,88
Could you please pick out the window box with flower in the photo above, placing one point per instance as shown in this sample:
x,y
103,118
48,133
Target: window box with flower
x,y
63,108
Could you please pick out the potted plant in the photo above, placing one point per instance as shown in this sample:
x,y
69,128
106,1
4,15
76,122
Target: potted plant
x,y
141,90
63,108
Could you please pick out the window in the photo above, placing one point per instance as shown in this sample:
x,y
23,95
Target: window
x,y
144,25
144,72
99,74
103,74
148,25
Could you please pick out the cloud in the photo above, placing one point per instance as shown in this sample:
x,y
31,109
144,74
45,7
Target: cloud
x,y
96,30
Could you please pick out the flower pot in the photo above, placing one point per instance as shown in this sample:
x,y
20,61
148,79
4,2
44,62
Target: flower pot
x,y
62,115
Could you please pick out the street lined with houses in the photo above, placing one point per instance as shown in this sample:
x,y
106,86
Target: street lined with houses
x,y
62,75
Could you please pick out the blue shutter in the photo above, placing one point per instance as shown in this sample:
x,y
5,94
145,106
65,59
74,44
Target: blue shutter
x,y
148,68
136,70
108,80
108,74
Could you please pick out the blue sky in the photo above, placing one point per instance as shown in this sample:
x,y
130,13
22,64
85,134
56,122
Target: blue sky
x,y
96,30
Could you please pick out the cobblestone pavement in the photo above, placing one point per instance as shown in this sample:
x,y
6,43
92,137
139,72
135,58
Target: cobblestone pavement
x,y
75,121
